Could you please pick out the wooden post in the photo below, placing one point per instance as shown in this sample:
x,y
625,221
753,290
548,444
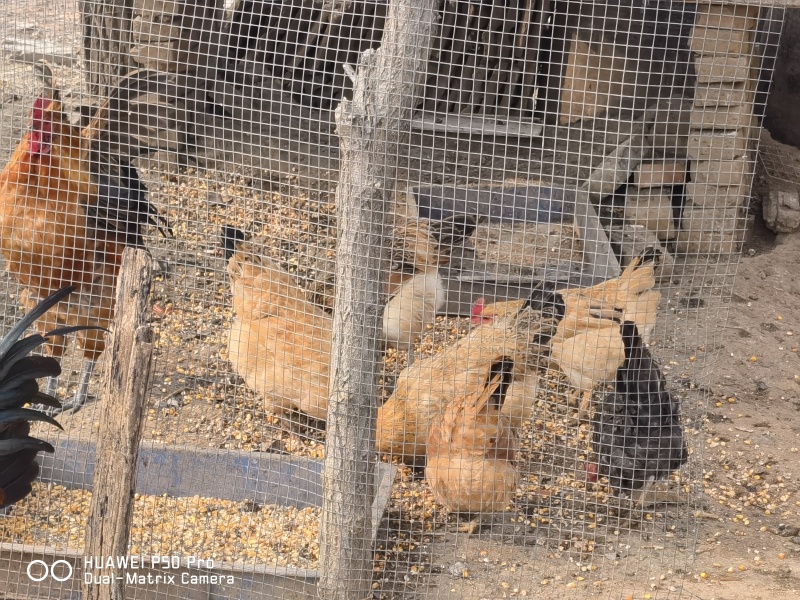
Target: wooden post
x,y
107,37
373,129
121,413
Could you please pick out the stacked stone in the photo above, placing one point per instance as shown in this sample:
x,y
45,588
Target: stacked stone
x,y
721,130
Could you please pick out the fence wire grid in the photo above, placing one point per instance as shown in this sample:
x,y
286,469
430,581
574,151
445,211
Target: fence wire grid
x,y
562,198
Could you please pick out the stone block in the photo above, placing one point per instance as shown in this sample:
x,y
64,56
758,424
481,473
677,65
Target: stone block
x,y
722,68
713,40
707,242
660,173
723,94
723,172
726,16
718,145
651,208
712,218
722,117
704,194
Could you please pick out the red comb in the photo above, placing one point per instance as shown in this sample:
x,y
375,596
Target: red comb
x,y
477,308
37,113
591,472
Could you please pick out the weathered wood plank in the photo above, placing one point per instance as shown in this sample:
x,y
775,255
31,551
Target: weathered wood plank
x,y
373,129
120,427
476,125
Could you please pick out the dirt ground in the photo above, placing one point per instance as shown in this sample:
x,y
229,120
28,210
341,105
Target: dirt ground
x,y
753,434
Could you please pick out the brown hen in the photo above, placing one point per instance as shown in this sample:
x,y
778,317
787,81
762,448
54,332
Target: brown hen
x,y
425,388
472,448
280,342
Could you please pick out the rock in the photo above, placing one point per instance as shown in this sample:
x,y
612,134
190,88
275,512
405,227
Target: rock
x,y
781,206
457,569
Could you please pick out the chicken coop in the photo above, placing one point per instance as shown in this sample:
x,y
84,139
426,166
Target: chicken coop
x,y
370,298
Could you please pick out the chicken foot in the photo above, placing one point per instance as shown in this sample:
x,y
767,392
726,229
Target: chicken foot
x,y
81,394
655,493
477,524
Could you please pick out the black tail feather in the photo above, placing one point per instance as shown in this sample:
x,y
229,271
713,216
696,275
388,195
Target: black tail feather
x,y
505,368
19,387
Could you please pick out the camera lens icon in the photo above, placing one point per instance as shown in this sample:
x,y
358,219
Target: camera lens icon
x,y
60,570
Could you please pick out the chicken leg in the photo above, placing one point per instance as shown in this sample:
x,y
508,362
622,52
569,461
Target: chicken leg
x,y
473,527
81,394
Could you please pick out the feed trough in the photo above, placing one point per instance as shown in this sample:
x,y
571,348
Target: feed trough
x,y
262,478
469,277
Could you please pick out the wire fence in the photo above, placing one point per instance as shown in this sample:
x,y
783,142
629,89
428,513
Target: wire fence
x,y
436,290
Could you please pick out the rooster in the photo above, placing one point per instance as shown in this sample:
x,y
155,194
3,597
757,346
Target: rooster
x,y
472,450
638,436
428,386
280,342
416,289
69,205
18,387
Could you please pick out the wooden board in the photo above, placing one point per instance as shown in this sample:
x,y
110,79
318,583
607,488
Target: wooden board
x,y
476,125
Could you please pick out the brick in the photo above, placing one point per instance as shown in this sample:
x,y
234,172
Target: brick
x,y
651,208
714,217
712,40
705,242
722,117
704,194
722,68
149,32
718,145
162,57
722,172
726,16
723,94
660,173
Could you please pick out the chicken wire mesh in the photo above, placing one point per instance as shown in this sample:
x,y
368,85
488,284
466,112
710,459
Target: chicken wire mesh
x,y
530,439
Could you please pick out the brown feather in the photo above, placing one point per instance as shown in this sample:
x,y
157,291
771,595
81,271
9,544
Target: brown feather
x,y
471,453
280,342
425,388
